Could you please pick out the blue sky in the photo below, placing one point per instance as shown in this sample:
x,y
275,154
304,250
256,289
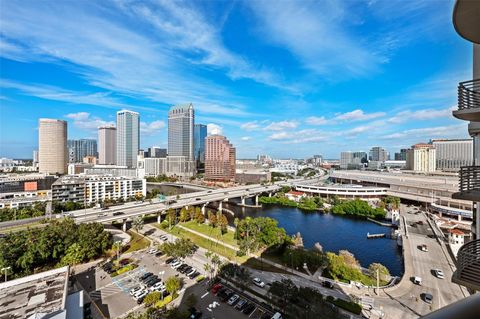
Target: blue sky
x,y
286,78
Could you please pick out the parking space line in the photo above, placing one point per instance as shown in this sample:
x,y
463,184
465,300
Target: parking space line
x,y
204,295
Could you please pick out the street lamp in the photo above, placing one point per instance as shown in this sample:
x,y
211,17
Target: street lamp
x,y
5,269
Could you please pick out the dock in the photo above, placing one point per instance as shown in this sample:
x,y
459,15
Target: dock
x,y
369,236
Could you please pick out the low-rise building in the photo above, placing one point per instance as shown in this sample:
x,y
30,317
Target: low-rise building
x,y
421,158
92,189
295,195
252,176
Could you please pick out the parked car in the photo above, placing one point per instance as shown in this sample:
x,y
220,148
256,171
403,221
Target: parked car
x,y
134,290
145,275
170,260
159,253
216,288
141,295
225,295
241,303
258,282
157,286
186,269
277,315
233,299
424,248
249,309
417,280
194,275
190,272
438,273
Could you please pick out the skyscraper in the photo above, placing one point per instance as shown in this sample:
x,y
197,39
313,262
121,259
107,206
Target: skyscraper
x,y
200,133
219,158
128,138
156,152
78,149
453,154
52,146
180,131
378,154
107,145
421,158
402,155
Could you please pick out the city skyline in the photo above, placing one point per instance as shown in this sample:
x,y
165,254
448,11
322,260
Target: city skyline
x,y
277,90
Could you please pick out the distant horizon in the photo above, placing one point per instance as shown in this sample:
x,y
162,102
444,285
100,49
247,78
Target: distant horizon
x,y
352,75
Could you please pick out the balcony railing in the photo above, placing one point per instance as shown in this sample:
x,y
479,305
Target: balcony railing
x,y
469,94
468,265
469,187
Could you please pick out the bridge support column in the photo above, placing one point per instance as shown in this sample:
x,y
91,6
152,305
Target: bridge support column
x,y
186,207
459,218
256,200
243,200
124,226
159,218
269,194
220,206
204,209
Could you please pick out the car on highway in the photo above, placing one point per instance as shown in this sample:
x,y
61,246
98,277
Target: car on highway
x,y
327,284
198,198
118,213
424,248
258,282
428,297
417,280
226,193
438,273
101,214
233,299
209,192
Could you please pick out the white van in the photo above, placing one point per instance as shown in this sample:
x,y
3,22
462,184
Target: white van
x,y
417,280
277,315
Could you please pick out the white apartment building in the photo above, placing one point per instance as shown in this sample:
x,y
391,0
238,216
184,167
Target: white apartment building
x,y
421,158
107,145
453,154
91,189
152,166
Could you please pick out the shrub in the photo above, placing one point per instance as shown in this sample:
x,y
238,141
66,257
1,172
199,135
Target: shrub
x,y
123,270
162,303
152,298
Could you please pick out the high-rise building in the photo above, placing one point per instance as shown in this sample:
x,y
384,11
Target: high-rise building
x,y
378,154
52,146
453,154
402,155
128,138
156,152
421,158
78,149
107,145
180,131
353,160
200,133
219,159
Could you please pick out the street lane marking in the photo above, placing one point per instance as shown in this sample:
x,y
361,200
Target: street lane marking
x,y
204,295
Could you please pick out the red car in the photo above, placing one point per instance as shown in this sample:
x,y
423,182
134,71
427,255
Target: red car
x,y
216,287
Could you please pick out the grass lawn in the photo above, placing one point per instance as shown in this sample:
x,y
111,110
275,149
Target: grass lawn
x,y
212,232
137,242
206,243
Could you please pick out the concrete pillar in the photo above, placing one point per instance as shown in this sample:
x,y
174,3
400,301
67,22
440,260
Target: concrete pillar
x,y
459,218
220,206
159,218
186,207
124,226
243,201
203,209
269,194
256,200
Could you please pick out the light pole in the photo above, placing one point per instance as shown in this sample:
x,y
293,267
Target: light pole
x,y
5,269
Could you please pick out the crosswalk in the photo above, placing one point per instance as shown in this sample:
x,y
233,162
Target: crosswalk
x,y
123,284
105,292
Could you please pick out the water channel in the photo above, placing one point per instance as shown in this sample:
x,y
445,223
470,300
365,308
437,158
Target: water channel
x,y
334,233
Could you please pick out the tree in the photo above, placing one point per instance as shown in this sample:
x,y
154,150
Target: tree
x,y
171,217
222,222
73,255
199,218
192,212
349,258
181,248
284,290
172,284
184,215
383,272
137,224
152,298
212,219
244,277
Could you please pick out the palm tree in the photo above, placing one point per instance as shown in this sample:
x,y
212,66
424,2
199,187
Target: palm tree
x,y
137,223
172,284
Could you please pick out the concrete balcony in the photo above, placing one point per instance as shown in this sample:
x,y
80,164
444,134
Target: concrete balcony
x,y
465,19
468,101
468,266
469,186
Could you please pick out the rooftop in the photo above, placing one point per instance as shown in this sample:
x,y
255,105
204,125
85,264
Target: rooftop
x,y
456,231
34,296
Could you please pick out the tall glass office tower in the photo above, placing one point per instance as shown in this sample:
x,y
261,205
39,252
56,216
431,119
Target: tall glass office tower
x,y
128,138
180,131
199,135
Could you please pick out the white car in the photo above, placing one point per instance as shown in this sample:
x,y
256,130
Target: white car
x,y
157,286
258,282
135,290
191,272
233,299
438,273
176,264
141,295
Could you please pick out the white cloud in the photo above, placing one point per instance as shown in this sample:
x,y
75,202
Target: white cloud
x,y
282,125
358,115
315,120
84,121
250,126
302,136
425,114
213,128
246,138
320,34
427,133
151,128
